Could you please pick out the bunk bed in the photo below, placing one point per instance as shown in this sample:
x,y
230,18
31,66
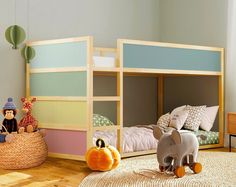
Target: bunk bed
x,y
61,78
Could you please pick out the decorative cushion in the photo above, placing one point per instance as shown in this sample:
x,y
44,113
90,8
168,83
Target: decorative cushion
x,y
208,118
163,121
180,108
178,119
99,120
194,118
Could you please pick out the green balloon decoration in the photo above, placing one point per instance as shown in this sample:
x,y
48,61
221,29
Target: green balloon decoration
x,y
15,35
28,53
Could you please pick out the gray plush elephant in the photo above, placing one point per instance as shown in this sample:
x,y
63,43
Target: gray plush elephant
x,y
176,150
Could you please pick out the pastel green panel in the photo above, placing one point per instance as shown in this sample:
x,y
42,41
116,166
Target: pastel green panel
x,y
61,114
70,54
142,56
58,84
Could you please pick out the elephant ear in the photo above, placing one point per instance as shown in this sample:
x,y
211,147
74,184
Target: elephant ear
x,y
176,137
157,133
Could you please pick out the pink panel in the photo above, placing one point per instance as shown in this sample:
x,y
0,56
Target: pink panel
x,y
66,141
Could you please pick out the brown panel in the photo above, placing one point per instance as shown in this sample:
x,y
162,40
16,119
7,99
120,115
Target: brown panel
x,y
231,123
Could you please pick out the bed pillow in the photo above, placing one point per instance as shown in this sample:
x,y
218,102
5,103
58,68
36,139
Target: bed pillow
x,y
163,121
180,108
208,118
99,120
194,118
178,119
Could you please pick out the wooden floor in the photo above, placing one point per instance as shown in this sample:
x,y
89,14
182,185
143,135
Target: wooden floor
x,y
53,173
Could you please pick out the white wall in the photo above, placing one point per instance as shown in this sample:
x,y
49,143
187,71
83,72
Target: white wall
x,y
106,20
12,69
198,22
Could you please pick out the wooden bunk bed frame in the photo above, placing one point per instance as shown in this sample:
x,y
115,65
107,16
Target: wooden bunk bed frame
x,y
71,138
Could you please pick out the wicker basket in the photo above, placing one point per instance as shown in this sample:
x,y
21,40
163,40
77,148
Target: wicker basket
x,y
26,151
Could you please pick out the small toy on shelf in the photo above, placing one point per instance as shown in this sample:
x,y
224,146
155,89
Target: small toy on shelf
x,y
9,112
28,123
177,150
102,157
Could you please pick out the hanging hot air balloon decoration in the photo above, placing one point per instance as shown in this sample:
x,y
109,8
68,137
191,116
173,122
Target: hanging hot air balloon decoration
x,y
15,35
28,53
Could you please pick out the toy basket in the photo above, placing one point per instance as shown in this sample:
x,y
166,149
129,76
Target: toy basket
x,y
26,151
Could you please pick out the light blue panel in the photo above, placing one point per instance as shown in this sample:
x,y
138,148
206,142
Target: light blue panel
x,y
58,84
142,56
70,54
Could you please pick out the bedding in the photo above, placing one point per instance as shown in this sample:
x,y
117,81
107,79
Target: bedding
x,y
138,138
208,118
194,118
207,137
99,120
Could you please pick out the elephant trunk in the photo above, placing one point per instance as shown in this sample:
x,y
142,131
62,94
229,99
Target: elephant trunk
x,y
164,161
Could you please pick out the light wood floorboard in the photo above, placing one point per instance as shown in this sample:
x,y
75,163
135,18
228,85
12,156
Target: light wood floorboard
x,y
53,173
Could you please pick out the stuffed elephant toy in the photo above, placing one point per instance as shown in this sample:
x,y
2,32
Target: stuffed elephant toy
x,y
176,150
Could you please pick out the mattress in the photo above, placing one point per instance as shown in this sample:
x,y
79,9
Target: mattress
x,y
134,138
206,138
142,139
100,61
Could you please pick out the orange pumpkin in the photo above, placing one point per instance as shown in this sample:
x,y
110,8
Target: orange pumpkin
x,y
102,157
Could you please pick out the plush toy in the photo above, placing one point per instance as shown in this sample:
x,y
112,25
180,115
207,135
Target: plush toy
x,y
9,112
28,123
6,138
177,150
101,157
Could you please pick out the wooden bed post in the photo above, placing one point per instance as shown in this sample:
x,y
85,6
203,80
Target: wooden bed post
x,y
120,94
89,93
221,101
160,95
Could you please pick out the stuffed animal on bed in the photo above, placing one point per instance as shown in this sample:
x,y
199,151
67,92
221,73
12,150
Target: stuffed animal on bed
x,y
28,123
176,150
9,112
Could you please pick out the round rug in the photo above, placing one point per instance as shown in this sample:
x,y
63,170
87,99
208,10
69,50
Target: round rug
x,y
219,169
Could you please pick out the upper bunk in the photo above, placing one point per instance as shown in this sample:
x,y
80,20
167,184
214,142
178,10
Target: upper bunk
x,y
168,58
130,57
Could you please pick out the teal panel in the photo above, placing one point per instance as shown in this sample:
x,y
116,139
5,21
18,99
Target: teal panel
x,y
58,84
60,55
142,56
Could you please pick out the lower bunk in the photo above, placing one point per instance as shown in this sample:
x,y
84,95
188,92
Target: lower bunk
x,y
140,138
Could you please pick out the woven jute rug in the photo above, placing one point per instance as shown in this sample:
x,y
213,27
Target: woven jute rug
x,y
219,169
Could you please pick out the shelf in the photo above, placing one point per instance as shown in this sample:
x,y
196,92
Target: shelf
x,y
105,71
134,71
59,98
56,70
67,127
109,128
106,98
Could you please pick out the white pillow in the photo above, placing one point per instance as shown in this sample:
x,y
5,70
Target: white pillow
x,y
180,108
194,118
178,119
163,121
208,118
